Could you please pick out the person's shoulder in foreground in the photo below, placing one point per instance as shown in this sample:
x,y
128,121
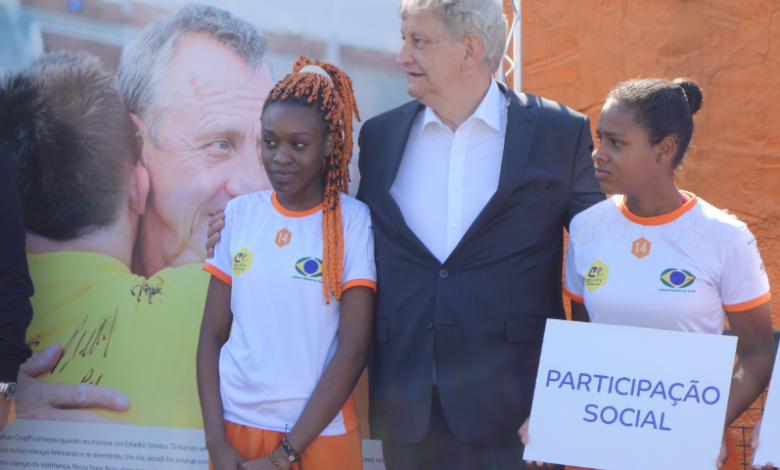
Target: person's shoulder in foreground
x,y
15,284
15,287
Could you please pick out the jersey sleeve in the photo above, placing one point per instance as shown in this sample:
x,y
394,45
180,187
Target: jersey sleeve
x,y
359,265
743,279
573,283
221,264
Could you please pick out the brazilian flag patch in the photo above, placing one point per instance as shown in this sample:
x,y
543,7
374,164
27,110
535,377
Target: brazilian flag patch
x,y
309,267
677,278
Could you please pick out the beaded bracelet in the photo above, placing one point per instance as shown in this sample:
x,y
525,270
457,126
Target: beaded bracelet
x,y
273,460
292,455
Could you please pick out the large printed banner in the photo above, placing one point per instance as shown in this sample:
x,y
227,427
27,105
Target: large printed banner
x,y
27,444
614,397
82,446
116,249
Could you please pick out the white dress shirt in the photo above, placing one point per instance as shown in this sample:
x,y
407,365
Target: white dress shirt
x,y
445,178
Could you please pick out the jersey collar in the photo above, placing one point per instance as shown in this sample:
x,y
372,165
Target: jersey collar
x,y
659,219
289,213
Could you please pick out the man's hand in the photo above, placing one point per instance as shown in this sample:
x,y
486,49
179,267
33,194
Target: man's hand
x,y
523,433
50,401
216,224
754,446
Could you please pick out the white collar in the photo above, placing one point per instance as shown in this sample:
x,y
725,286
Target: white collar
x,y
488,111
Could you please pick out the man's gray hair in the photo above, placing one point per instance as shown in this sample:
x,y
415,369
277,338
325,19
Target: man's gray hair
x,y
485,18
146,60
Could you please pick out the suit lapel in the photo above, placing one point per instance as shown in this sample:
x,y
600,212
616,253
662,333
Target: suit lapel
x,y
392,155
522,116
397,145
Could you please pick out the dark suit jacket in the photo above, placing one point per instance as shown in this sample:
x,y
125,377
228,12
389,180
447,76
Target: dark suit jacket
x,y
481,314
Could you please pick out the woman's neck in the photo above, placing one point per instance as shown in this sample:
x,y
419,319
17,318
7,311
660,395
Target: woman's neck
x,y
655,201
303,200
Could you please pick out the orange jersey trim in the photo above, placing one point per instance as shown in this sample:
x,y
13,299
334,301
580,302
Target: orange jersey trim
x,y
573,296
289,213
749,304
216,272
359,282
659,219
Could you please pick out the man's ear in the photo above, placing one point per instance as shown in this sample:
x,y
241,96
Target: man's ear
x,y
146,140
139,191
665,151
472,52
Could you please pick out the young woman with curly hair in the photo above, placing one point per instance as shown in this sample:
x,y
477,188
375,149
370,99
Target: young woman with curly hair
x,y
287,325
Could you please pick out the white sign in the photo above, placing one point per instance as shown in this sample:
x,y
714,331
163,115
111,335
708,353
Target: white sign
x,y
372,455
769,437
615,397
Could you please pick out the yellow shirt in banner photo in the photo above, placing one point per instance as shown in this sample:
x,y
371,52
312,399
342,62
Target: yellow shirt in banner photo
x,y
122,331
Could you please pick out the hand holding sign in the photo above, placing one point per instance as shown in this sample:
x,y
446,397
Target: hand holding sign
x,y
754,445
523,433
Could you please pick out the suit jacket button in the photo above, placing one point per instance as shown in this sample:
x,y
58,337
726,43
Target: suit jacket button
x,y
443,274
430,325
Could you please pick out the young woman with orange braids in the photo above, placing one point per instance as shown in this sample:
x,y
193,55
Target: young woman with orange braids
x,y
287,326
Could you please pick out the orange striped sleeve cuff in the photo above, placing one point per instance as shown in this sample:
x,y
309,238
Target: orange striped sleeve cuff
x,y
359,282
573,296
748,305
216,272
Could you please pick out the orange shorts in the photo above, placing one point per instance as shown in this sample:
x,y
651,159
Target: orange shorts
x,y
731,464
342,452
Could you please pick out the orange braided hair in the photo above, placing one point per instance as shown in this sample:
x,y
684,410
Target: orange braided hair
x,y
337,106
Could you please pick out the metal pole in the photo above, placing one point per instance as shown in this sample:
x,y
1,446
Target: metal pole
x,y
517,51
515,40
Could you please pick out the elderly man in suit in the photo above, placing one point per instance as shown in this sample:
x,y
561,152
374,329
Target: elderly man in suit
x,y
469,186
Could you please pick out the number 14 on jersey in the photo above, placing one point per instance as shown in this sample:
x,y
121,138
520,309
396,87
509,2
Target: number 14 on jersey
x,y
640,248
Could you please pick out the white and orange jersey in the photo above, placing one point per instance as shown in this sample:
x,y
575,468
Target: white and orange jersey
x,y
680,271
283,333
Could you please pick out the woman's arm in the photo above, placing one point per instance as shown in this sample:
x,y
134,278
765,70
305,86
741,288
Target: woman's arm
x,y
214,332
578,312
356,325
755,358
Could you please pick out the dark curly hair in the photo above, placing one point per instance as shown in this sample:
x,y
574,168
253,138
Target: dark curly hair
x,y
71,142
663,108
